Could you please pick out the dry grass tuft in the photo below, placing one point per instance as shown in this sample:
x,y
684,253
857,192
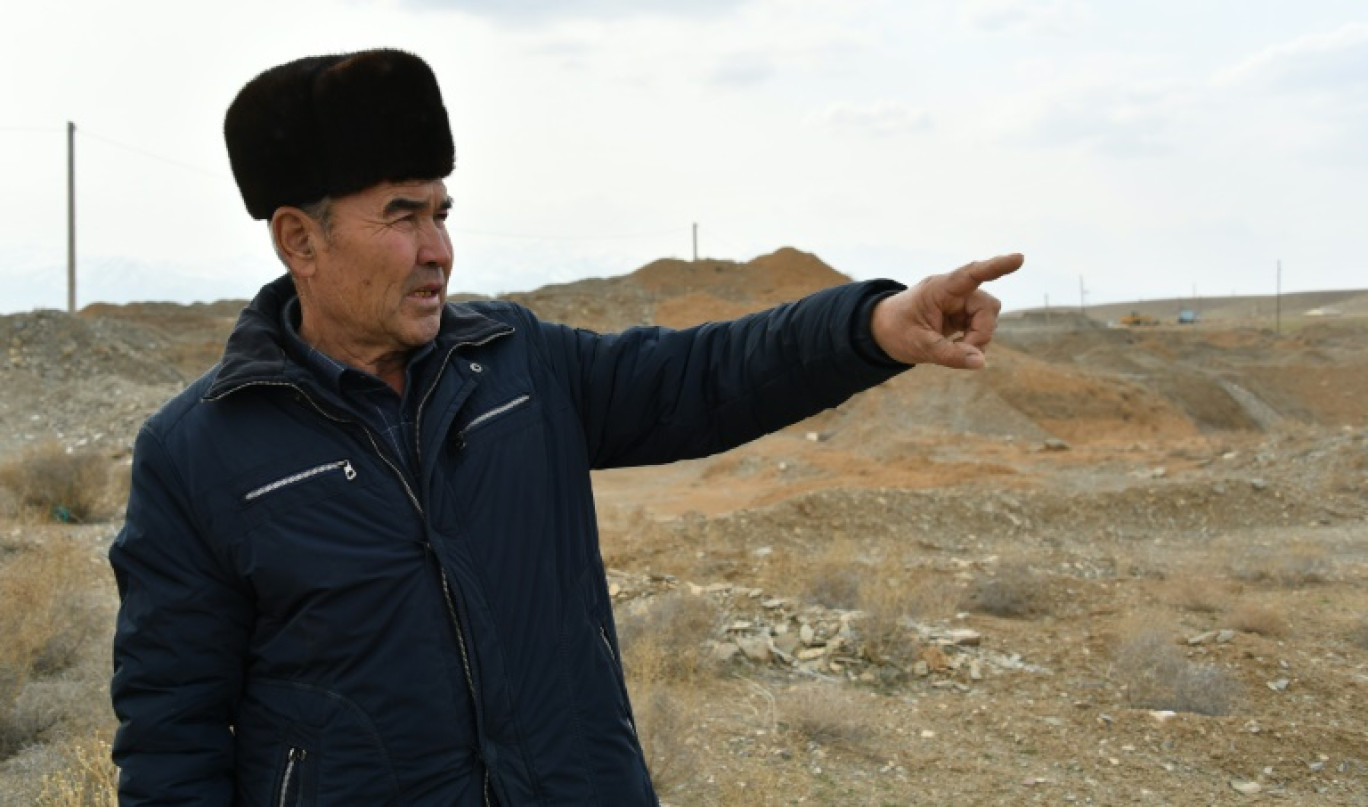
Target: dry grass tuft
x,y
1300,564
1014,591
58,484
88,778
663,638
1254,618
1197,593
43,623
1156,675
663,729
835,585
1359,634
828,716
888,606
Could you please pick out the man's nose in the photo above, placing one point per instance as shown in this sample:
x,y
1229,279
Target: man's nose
x,y
434,247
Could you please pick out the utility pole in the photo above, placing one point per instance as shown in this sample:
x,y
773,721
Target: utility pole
x,y
71,217
695,241
1277,305
1082,297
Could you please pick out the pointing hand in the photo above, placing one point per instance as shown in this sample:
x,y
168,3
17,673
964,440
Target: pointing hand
x,y
945,319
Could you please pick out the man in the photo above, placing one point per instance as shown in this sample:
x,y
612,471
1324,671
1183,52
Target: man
x,y
360,563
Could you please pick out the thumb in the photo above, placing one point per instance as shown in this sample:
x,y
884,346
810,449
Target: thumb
x,y
955,355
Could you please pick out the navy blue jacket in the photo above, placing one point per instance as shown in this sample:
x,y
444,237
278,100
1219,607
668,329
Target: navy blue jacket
x,y
301,617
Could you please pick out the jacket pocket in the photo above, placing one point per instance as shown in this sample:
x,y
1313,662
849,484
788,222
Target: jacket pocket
x,y
317,472
489,416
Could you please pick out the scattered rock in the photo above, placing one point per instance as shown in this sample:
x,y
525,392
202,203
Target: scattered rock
x,y
725,651
755,648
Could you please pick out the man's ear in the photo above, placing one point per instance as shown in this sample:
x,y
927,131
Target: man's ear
x,y
296,236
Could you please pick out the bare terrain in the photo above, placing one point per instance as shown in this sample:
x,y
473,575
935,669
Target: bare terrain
x,y
1121,565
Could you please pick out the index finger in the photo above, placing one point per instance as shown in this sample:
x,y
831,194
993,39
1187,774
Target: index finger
x,y
967,278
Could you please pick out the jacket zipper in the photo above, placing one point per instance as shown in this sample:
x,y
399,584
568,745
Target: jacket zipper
x,y
603,634
460,440
612,654
344,465
293,758
496,411
452,611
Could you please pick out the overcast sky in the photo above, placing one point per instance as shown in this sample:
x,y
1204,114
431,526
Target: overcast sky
x,y
1149,149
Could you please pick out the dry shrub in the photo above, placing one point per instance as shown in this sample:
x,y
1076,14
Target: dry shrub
x,y
1156,675
661,715
88,778
761,784
663,638
1015,591
888,606
835,585
43,622
828,716
57,483
833,577
1359,634
1197,593
1254,618
1300,564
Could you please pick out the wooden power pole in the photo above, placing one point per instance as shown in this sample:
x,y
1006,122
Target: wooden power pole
x,y
71,217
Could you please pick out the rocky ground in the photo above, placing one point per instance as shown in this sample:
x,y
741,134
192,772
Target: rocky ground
x,y
1118,566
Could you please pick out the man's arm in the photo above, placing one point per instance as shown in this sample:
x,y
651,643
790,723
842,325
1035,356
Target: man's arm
x,y
178,647
653,395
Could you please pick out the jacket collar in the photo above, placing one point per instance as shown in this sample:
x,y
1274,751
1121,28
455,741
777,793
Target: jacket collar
x,y
256,355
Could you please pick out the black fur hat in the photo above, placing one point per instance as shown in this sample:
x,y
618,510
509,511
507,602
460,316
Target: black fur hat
x,y
332,125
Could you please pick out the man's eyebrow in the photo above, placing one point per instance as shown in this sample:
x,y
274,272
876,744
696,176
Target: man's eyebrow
x,y
403,204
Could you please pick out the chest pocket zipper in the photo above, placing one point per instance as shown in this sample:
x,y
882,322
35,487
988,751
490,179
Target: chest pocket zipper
x,y
485,417
344,466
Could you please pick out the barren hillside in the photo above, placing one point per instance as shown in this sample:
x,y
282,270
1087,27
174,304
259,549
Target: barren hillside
x,y
1120,565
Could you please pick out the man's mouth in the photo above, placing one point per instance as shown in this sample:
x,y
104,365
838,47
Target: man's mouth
x,y
425,292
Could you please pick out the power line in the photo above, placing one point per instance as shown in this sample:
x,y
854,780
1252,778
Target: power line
x,y
151,156
529,237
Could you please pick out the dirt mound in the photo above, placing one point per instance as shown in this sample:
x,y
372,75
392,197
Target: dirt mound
x,y
678,293
80,379
190,337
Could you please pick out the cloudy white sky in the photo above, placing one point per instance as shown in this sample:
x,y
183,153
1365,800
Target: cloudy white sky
x,y
1147,150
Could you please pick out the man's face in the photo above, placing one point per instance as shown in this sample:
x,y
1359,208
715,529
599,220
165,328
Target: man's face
x,y
379,279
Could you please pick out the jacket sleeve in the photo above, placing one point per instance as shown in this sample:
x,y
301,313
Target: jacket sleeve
x,y
179,642
651,395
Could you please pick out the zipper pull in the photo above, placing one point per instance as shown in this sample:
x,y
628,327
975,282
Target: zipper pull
x,y
348,470
297,754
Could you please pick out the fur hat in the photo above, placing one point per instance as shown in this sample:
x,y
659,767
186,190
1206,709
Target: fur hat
x,y
333,125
